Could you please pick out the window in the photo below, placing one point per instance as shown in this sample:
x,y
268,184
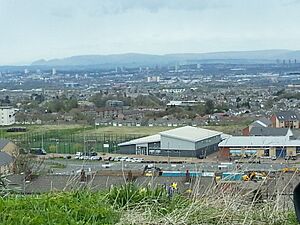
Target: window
x,y
298,150
250,152
235,152
266,152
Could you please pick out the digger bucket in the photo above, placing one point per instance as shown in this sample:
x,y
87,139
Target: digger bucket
x,y
297,201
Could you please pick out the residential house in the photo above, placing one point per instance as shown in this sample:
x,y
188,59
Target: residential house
x,y
286,119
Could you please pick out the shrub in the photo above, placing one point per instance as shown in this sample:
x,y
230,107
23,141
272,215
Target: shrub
x,y
57,208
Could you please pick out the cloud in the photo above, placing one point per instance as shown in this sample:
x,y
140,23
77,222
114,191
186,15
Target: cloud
x,y
153,6
290,3
62,13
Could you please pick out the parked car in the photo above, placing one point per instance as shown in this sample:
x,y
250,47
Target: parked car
x,y
138,160
106,165
95,158
92,154
273,157
78,155
38,151
123,158
290,157
84,157
117,159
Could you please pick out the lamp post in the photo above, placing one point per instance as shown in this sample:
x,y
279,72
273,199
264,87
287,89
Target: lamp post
x,y
168,153
57,143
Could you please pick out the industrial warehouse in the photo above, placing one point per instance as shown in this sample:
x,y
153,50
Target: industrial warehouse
x,y
182,142
260,146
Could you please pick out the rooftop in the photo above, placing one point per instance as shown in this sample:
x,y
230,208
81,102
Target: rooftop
x,y
5,159
270,131
262,122
261,141
3,143
287,115
190,133
143,140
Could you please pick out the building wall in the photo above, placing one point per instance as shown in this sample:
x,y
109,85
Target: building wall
x,y
176,144
225,152
274,121
7,116
246,131
10,148
129,149
206,143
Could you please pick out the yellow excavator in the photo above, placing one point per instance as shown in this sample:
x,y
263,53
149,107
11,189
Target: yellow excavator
x,y
291,170
254,176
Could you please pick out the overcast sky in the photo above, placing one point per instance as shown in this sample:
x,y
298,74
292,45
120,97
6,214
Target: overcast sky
x,y
35,29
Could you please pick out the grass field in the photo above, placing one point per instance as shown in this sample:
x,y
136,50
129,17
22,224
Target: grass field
x,y
127,130
90,130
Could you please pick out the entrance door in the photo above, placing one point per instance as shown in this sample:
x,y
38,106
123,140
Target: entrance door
x,y
280,152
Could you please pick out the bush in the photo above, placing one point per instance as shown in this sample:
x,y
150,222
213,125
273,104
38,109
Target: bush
x,y
57,208
129,195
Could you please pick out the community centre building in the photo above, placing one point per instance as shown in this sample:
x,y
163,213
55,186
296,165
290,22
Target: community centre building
x,y
185,141
260,146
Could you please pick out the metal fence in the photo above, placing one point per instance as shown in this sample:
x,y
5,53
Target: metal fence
x,y
59,142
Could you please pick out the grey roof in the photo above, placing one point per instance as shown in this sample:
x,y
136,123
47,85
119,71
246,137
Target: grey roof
x,y
261,141
143,140
5,159
270,131
262,122
190,133
287,115
265,121
296,134
3,143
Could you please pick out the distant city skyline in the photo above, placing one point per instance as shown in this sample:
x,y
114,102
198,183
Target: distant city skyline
x,y
34,29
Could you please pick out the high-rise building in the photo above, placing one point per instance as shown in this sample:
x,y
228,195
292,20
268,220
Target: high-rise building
x,y
7,115
53,71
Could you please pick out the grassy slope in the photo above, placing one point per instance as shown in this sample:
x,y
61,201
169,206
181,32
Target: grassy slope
x,y
132,205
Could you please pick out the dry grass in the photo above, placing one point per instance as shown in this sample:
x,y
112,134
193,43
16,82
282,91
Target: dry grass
x,y
128,130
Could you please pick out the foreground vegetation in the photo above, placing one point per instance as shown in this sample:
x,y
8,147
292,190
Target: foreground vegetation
x,y
129,204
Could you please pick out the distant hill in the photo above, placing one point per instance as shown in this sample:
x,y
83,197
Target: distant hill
x,y
134,59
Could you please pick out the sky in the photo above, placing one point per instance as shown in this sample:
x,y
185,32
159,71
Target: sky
x,y
46,29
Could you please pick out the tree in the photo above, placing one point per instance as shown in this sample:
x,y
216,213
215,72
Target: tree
x,y
209,106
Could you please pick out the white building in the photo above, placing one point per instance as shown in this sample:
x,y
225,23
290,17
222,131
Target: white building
x,y
7,115
182,142
53,71
153,79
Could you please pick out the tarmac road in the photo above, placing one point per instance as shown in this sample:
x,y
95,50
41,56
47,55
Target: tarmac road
x,y
72,165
